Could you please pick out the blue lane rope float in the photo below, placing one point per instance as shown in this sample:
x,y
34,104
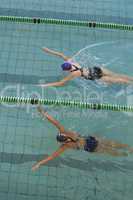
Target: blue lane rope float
x,y
69,103
80,23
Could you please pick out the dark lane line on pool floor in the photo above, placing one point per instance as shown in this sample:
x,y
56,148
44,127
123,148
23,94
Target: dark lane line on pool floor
x,y
19,158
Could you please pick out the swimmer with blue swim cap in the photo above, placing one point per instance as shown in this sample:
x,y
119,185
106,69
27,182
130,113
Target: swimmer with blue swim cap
x,y
72,140
93,73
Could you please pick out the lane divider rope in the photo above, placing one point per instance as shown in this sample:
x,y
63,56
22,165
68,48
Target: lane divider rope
x,y
89,24
69,103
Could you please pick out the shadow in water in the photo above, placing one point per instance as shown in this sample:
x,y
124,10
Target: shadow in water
x,y
25,79
18,158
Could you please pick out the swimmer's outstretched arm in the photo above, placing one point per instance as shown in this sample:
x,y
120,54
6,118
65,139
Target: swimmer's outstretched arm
x,y
50,119
54,155
63,81
61,55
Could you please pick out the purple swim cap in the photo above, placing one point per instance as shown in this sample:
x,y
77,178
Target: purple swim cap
x,y
66,66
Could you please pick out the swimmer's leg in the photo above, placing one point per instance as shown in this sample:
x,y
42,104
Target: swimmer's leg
x,y
124,77
116,153
109,73
110,147
111,152
113,144
113,79
128,78
117,145
106,145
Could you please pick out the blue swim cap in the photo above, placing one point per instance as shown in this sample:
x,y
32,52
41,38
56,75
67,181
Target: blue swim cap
x,y
66,66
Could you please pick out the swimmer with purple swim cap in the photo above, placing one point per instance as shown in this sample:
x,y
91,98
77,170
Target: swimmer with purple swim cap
x,y
89,73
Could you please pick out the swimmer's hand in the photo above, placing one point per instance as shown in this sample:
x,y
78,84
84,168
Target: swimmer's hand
x,y
59,83
46,49
41,85
36,166
44,85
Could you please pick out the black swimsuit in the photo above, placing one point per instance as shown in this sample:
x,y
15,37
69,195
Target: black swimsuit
x,y
91,144
90,73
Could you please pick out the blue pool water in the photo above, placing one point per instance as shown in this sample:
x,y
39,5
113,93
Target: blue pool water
x,y
26,138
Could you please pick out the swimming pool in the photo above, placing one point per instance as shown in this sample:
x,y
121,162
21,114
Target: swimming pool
x,y
25,138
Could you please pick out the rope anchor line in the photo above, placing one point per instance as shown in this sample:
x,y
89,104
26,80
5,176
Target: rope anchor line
x,y
69,103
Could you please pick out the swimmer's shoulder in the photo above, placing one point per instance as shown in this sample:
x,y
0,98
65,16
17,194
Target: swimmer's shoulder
x,y
70,60
72,134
